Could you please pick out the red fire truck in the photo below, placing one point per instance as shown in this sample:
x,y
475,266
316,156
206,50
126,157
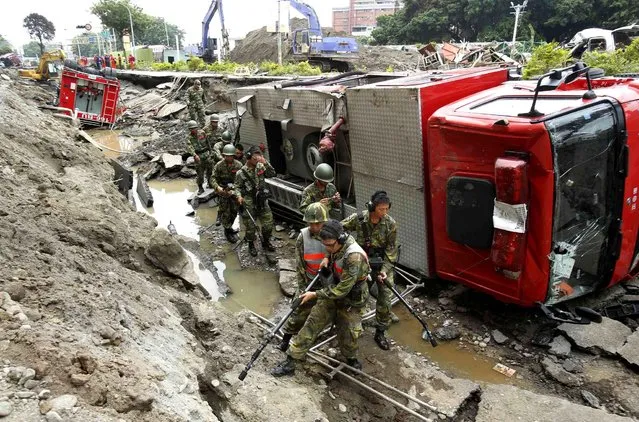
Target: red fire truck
x,y
512,188
91,97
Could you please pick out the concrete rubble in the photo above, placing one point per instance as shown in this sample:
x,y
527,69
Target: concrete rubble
x,y
607,337
629,352
508,403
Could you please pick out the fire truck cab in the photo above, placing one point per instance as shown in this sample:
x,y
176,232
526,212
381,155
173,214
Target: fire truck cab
x,y
531,196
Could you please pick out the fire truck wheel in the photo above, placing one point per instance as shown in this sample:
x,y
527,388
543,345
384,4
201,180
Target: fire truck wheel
x,y
312,156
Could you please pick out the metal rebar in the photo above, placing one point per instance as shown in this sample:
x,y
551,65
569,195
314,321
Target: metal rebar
x,y
315,356
380,382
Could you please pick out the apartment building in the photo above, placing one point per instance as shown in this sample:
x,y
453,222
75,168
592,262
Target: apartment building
x,y
360,17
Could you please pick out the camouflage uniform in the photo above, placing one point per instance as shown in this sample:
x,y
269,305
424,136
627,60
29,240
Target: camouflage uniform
x,y
382,243
312,194
223,174
247,181
217,150
342,304
304,277
215,137
195,99
198,145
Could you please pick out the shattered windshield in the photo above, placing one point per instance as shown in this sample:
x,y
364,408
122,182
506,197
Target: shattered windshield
x,y
584,158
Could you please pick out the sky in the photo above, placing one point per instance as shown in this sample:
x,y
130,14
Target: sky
x,y
240,16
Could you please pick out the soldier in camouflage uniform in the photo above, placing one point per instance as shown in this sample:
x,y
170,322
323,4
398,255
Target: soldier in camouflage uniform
x,y
321,190
341,302
376,231
200,149
214,133
224,174
310,253
225,139
252,194
239,153
195,100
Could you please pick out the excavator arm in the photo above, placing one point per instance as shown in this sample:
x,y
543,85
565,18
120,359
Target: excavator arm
x,y
216,6
43,73
314,27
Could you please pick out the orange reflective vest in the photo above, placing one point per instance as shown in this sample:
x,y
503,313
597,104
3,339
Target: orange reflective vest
x,y
314,252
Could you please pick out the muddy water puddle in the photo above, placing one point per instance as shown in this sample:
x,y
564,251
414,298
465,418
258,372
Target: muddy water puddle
x,y
255,290
449,356
114,141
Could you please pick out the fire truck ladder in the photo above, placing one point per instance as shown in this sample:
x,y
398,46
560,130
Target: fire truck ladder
x,y
110,103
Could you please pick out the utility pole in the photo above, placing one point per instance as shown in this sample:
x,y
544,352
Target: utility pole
x,y
166,31
279,33
519,8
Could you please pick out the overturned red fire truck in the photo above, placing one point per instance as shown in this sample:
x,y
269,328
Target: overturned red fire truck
x,y
518,189
93,98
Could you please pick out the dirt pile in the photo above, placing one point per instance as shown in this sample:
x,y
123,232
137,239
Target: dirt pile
x,y
260,45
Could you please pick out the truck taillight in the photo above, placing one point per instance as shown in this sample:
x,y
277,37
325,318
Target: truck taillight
x,y
510,214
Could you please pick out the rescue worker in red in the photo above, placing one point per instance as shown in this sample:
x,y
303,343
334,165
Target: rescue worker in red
x,y
131,62
309,254
113,62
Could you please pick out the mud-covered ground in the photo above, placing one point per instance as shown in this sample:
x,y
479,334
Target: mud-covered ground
x,y
90,329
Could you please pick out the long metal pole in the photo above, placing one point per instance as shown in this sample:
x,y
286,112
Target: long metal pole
x,y
166,31
132,34
279,33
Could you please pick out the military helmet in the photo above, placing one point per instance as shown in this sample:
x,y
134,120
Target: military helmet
x,y
323,172
316,213
226,136
192,124
228,150
214,118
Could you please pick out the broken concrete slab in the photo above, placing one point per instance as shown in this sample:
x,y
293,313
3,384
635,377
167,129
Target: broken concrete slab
x,y
166,253
144,192
203,197
607,337
436,388
560,346
629,352
286,264
559,374
169,109
508,403
288,282
171,161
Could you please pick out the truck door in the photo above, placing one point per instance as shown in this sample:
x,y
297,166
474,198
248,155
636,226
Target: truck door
x,y
586,147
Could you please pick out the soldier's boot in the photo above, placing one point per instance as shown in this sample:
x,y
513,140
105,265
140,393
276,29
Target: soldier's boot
x,y
286,367
286,339
200,189
355,363
252,249
267,245
394,318
230,235
381,340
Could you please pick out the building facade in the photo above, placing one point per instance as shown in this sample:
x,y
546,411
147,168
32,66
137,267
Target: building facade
x,y
360,17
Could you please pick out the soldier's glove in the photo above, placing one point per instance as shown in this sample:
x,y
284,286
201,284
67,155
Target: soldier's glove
x,y
241,210
325,272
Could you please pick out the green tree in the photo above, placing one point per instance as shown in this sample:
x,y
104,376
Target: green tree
x,y
39,27
147,29
87,43
5,46
32,49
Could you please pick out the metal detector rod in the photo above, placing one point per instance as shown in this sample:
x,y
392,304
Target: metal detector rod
x,y
272,334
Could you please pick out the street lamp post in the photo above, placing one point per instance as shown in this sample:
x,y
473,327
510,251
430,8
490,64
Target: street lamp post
x,y
132,35
166,31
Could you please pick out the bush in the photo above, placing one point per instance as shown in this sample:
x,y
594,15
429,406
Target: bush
x,y
612,63
544,58
196,63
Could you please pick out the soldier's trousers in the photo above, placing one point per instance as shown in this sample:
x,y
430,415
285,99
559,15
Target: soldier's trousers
x,y
204,169
197,113
383,303
264,216
227,209
348,321
296,321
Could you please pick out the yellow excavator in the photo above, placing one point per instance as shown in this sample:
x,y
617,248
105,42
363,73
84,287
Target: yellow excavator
x,y
49,68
